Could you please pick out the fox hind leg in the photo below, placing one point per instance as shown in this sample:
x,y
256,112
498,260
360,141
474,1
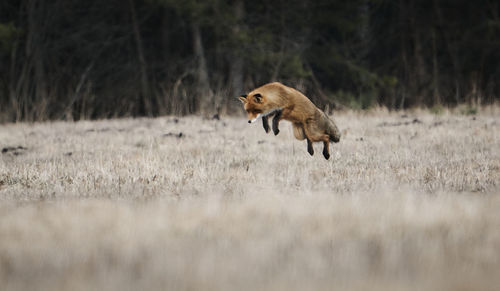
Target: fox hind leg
x,y
265,123
310,148
315,134
276,121
298,131
326,149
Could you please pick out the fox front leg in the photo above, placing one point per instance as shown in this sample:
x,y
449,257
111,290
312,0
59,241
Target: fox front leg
x,y
276,121
265,123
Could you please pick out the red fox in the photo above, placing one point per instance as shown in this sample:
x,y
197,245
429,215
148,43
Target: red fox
x,y
308,121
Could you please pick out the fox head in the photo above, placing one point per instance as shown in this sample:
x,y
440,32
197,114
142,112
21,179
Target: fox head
x,y
255,105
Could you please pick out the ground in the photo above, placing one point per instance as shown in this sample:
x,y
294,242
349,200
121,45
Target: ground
x,y
407,201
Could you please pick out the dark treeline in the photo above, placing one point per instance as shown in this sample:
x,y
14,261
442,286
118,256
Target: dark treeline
x,y
72,59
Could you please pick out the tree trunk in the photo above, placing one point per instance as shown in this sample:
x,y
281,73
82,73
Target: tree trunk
x,y
419,65
34,55
405,74
236,62
435,71
452,52
13,78
165,102
145,92
204,92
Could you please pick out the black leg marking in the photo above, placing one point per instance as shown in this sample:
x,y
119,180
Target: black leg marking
x,y
326,153
265,123
276,121
310,148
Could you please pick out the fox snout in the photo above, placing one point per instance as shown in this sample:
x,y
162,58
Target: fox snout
x,y
254,118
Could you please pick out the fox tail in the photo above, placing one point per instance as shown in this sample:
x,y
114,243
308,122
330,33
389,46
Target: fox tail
x,y
332,130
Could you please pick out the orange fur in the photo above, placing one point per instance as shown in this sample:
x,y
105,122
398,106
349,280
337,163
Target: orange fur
x,y
309,122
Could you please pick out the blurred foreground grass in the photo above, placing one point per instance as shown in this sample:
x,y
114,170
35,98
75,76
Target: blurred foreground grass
x,y
408,201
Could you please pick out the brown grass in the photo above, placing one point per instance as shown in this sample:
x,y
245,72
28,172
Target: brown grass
x,y
408,201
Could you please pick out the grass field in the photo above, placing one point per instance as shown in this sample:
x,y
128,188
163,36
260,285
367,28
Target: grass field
x,y
407,201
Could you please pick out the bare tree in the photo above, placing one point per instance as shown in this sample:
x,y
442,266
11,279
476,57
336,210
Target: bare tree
x,y
203,89
145,90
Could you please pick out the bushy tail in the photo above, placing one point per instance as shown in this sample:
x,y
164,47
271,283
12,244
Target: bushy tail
x,y
333,130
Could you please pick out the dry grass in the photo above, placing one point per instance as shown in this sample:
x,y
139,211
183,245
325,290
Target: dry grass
x,y
129,205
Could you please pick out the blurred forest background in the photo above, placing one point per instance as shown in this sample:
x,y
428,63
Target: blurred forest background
x,y
73,59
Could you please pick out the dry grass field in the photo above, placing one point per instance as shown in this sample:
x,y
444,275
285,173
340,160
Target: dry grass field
x,y
407,201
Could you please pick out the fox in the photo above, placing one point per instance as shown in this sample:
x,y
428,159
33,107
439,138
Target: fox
x,y
286,103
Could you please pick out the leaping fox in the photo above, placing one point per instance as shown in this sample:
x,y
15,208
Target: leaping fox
x,y
309,122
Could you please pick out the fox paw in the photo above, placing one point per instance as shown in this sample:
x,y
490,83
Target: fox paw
x,y
276,131
326,155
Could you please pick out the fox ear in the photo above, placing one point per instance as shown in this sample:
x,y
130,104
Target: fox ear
x,y
243,98
257,97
